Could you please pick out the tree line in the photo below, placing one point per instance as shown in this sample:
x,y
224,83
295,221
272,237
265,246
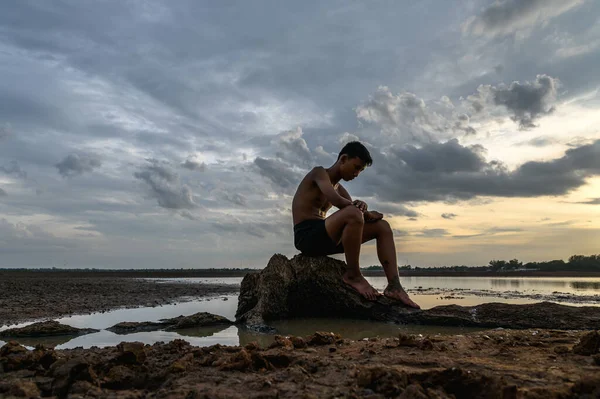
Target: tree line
x,y
579,263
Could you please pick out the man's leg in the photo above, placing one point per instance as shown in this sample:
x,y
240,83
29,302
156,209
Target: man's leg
x,y
346,225
386,252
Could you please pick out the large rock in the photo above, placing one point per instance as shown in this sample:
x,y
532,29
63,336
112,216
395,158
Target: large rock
x,y
45,329
201,319
313,287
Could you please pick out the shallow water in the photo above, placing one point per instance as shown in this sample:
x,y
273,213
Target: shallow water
x,y
427,291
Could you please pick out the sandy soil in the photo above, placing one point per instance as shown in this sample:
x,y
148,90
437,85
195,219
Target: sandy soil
x,y
493,364
45,295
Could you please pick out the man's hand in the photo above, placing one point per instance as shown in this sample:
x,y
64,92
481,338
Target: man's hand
x,y
360,205
372,216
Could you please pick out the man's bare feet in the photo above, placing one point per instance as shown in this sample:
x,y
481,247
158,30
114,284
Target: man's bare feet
x,y
395,291
362,286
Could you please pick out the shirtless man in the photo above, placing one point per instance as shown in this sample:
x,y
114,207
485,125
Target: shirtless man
x,y
345,230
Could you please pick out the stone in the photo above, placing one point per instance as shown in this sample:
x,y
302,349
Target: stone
x,y
65,373
312,287
200,319
45,329
131,353
589,344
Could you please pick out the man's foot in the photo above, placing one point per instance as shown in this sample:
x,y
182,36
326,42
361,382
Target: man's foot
x,y
362,286
400,295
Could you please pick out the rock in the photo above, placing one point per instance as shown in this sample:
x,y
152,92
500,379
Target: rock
x,y
19,389
129,327
313,287
14,357
588,345
201,319
131,353
45,329
561,349
65,373
323,338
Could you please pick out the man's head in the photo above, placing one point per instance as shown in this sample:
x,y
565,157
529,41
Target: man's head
x,y
353,159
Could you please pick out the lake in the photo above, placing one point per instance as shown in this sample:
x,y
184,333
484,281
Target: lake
x,y
427,291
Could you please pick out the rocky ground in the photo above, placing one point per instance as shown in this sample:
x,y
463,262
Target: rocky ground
x,y
492,364
43,295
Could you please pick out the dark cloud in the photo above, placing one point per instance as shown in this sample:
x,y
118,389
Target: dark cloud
x,y
75,164
5,131
400,233
14,169
449,215
526,102
193,165
165,186
2,193
450,171
278,172
433,233
538,142
490,232
392,209
592,201
235,198
507,16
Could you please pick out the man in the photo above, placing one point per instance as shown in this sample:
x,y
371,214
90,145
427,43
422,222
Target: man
x,y
345,230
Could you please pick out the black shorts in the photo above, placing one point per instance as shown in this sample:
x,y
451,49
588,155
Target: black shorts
x,y
311,238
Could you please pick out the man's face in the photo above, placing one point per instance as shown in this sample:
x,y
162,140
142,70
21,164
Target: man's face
x,y
351,167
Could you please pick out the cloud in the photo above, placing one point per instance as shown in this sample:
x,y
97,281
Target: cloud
x,y
291,147
449,215
508,16
400,233
235,198
404,115
279,173
14,169
192,164
449,171
392,209
5,131
2,193
165,186
592,201
541,141
433,233
526,102
408,118
75,164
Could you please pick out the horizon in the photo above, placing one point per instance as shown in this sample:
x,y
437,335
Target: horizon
x,y
142,134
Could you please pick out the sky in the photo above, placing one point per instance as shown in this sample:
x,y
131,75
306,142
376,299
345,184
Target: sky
x,y
155,134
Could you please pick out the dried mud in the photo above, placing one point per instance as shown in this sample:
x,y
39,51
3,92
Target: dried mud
x,y
492,364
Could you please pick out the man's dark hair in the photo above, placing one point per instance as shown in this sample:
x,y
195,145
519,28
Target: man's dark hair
x,y
355,149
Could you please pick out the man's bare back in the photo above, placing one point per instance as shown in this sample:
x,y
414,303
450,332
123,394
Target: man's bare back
x,y
309,201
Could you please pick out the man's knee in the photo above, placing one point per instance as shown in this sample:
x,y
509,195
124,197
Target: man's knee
x,y
354,215
384,227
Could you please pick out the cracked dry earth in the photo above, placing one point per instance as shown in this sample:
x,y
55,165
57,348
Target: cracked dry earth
x,y
491,364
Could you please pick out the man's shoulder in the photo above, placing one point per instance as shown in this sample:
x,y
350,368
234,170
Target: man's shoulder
x,y
316,171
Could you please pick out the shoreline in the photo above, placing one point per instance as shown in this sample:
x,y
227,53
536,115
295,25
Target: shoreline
x,y
206,273
37,297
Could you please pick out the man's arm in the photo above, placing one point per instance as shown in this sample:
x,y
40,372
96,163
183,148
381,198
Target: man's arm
x,y
342,191
324,183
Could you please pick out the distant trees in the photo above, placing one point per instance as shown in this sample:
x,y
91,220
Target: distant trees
x,y
578,263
